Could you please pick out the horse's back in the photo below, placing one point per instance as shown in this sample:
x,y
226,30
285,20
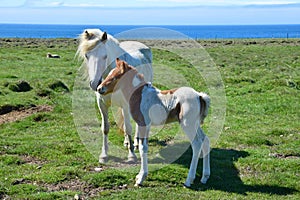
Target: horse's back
x,y
137,50
133,46
139,56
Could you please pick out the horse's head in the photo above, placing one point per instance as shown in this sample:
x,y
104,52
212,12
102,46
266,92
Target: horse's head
x,y
119,77
92,48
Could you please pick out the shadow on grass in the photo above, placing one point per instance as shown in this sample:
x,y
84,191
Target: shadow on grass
x,y
224,174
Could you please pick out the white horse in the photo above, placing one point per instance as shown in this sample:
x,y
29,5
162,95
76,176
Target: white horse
x,y
99,51
150,106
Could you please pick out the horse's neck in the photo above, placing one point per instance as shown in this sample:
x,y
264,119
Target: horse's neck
x,y
113,50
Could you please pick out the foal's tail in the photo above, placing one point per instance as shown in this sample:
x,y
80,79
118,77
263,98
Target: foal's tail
x,y
204,105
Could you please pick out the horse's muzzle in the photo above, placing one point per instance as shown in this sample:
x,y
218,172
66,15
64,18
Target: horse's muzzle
x,y
94,85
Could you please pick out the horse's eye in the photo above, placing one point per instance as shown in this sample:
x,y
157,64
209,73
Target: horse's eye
x,y
86,56
104,57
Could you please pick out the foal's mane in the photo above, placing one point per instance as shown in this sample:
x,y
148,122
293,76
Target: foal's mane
x,y
125,67
90,38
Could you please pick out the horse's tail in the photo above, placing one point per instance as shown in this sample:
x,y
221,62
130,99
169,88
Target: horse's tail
x,y
204,105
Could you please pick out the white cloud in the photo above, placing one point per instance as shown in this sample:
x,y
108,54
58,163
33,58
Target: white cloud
x,y
140,3
11,3
83,5
219,2
42,3
62,3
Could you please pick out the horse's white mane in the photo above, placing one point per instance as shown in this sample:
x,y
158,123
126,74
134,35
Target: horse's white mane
x,y
90,38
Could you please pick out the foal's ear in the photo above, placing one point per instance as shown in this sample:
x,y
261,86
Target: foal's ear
x,y
123,66
118,62
104,37
141,76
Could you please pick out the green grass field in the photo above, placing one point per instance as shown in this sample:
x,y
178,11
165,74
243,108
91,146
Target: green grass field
x,y
257,156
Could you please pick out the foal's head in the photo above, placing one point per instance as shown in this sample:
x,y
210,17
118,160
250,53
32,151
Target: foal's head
x,y
123,75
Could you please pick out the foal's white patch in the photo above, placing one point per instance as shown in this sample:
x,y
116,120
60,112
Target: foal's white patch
x,y
158,114
136,81
111,71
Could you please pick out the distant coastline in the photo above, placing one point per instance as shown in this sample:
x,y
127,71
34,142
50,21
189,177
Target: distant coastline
x,y
192,31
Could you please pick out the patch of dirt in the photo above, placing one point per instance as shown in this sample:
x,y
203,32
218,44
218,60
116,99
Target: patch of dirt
x,y
15,115
283,156
32,160
85,191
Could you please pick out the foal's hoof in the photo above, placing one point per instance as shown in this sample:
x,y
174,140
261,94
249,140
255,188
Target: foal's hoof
x,y
140,178
185,186
138,185
204,179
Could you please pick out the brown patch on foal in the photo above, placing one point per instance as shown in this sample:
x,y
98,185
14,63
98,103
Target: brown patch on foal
x,y
164,92
134,105
175,114
202,108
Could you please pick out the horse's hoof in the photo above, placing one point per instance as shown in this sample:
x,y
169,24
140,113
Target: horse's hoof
x,y
132,160
136,147
126,144
103,160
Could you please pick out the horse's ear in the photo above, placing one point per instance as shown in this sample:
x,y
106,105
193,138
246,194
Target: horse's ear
x,y
87,35
104,37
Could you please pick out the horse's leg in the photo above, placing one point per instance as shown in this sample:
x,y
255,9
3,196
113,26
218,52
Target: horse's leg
x,y
143,132
196,147
206,162
105,129
128,130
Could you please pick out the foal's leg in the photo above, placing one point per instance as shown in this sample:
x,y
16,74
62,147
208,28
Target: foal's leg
x,y
136,138
105,129
128,130
196,147
206,162
143,132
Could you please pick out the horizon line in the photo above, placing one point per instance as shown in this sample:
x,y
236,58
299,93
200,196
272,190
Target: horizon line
x,y
148,25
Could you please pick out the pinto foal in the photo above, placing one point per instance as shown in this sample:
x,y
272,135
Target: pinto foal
x,y
150,106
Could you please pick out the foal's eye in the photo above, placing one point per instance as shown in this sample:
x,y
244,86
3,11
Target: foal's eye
x,y
86,56
104,57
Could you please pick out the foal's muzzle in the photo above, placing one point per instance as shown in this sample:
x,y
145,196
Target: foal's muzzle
x,y
101,90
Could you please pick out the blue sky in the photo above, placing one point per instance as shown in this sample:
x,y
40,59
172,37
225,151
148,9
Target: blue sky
x,y
150,12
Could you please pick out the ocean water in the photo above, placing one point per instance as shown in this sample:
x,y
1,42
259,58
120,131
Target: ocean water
x,y
195,32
